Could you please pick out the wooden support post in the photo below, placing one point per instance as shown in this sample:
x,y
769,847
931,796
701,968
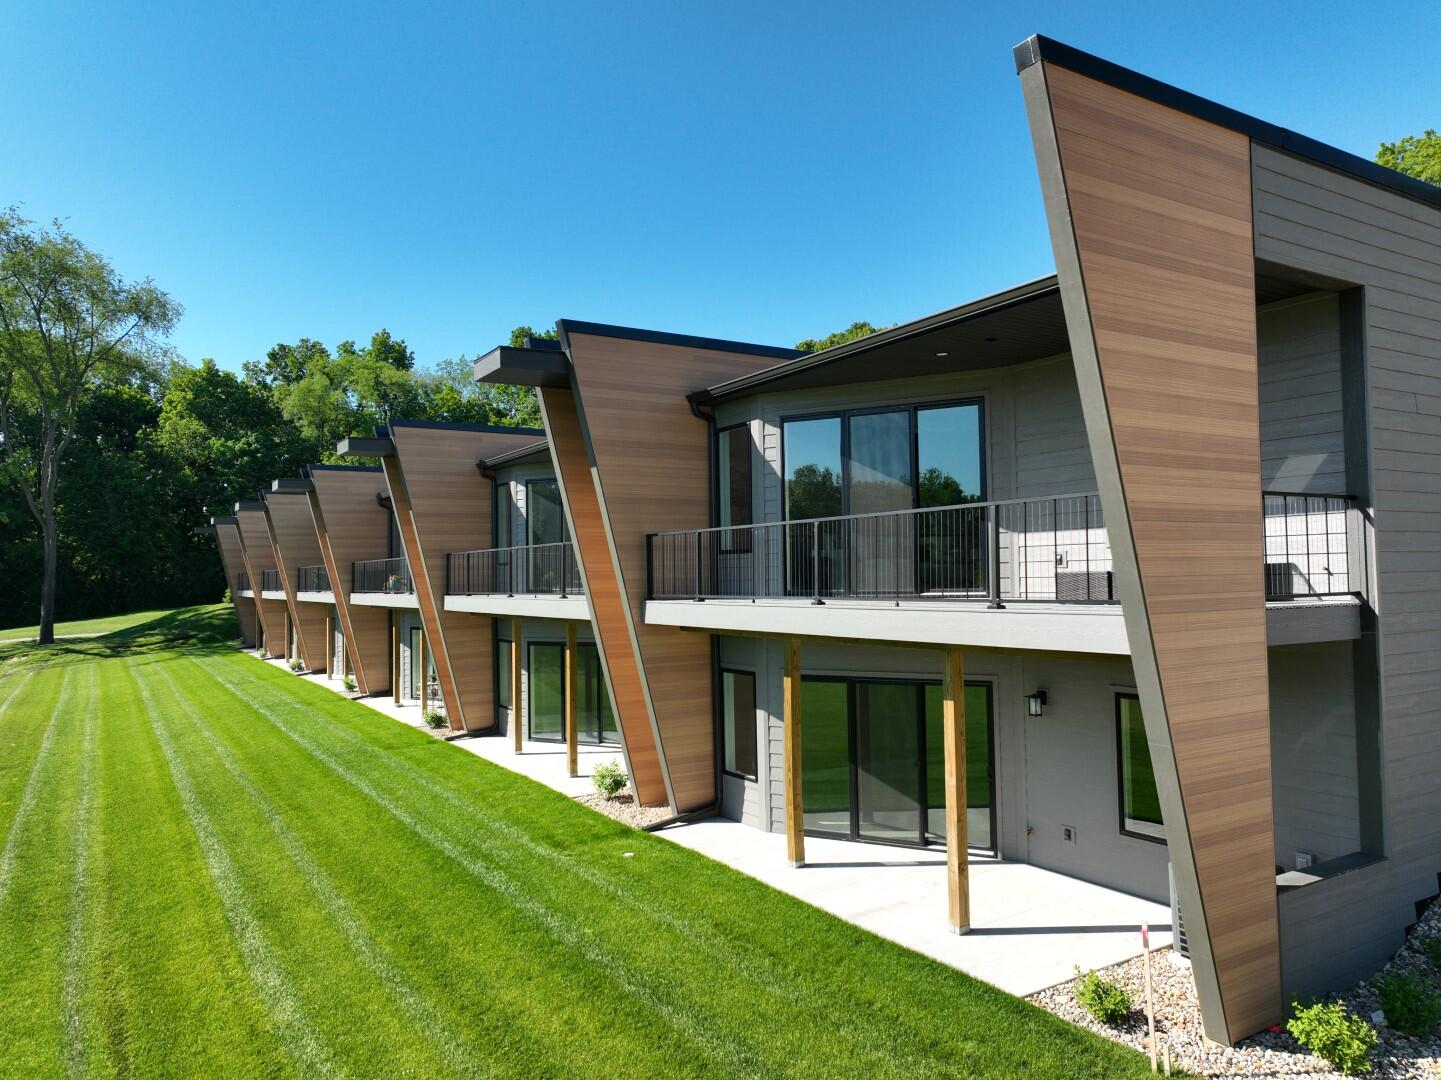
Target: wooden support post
x,y
329,645
395,662
424,675
953,721
572,735
795,817
517,722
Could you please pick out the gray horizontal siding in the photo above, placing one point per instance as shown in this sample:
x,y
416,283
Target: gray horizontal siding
x,y
1334,225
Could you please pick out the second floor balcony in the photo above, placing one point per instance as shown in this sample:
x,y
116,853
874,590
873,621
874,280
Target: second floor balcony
x,y
381,576
541,580
270,581
313,579
1053,550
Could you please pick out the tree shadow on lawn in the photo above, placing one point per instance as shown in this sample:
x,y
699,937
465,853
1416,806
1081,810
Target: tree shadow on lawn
x,y
197,629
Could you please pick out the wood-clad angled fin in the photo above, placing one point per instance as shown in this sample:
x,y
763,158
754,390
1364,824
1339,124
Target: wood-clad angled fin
x,y
1151,222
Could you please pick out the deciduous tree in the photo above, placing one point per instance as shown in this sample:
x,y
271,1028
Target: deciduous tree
x,y
69,323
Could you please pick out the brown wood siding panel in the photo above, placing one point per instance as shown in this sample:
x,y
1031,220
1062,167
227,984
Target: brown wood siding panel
x,y
1160,206
353,527
444,504
259,557
292,530
652,463
572,468
232,559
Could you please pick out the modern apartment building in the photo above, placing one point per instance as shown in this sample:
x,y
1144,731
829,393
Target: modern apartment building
x,y
1131,572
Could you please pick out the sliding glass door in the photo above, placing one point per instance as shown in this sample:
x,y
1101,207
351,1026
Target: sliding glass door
x,y
595,720
871,466
546,691
872,761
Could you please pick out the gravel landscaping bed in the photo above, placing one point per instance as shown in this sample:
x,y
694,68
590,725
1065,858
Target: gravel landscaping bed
x,y
1270,1054
625,809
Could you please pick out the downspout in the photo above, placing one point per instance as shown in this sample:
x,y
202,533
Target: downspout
x,y
718,750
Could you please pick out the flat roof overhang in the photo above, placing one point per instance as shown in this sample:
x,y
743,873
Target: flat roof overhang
x,y
510,366
290,486
1014,326
511,457
253,505
224,519
365,447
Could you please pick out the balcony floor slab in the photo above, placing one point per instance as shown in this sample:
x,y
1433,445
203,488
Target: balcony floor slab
x,y
377,599
315,597
521,607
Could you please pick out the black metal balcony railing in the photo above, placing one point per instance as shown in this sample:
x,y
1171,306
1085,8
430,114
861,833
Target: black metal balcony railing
x,y
381,576
1315,546
535,570
270,581
313,579
242,582
1054,550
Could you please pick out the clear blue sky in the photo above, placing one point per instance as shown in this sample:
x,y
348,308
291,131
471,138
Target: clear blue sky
x,y
757,170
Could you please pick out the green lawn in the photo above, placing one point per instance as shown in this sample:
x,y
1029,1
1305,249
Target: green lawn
x,y
107,625
211,868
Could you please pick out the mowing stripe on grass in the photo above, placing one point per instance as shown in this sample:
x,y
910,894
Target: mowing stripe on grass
x,y
72,987
32,785
771,977
20,683
416,1008
296,1033
739,1062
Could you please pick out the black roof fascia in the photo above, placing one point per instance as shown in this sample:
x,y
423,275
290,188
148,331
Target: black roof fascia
x,y
1019,294
566,327
484,429
1038,47
224,519
510,366
249,505
290,486
360,446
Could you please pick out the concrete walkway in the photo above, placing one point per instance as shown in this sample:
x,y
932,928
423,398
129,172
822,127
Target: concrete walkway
x,y
1030,927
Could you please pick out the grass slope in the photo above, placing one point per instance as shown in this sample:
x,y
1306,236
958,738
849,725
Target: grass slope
x,y
86,627
210,868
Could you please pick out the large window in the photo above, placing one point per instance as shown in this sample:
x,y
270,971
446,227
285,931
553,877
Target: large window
x,y
504,515
544,517
876,460
1140,805
738,707
503,692
734,459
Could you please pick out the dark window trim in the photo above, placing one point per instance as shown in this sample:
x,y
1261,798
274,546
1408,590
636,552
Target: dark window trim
x,y
731,669
981,401
560,505
1121,695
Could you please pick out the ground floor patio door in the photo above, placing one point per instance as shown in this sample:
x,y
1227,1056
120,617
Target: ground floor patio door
x,y
872,764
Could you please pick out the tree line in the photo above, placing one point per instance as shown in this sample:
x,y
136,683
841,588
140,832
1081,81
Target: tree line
x,y
112,448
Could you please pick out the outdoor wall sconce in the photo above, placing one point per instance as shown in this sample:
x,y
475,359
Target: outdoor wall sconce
x,y
1036,703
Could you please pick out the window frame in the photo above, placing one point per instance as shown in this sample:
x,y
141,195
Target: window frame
x,y
1121,817
913,408
755,721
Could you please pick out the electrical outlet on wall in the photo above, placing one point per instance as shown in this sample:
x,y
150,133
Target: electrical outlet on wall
x,y
1068,835
1304,860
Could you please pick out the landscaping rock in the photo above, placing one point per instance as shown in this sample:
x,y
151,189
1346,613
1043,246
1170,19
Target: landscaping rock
x,y
625,809
1271,1054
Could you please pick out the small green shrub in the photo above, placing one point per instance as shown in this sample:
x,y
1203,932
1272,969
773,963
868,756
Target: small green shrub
x,y
1330,1032
349,683
433,718
609,778
1431,949
1105,999
296,665
1409,1005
